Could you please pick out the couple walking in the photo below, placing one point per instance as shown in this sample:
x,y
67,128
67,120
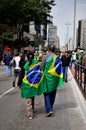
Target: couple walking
x,y
37,78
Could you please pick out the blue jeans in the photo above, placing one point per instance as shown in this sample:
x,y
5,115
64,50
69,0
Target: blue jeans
x,y
49,99
8,70
65,73
16,74
73,62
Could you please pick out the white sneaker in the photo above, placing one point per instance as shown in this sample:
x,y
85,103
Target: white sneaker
x,y
30,118
49,114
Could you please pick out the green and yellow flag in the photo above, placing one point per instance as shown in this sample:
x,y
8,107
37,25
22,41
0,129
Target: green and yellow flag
x,y
53,74
32,80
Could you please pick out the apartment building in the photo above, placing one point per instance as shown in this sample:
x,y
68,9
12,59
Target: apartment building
x,y
81,40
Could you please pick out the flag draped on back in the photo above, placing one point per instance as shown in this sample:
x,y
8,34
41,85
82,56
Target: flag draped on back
x,y
32,80
53,74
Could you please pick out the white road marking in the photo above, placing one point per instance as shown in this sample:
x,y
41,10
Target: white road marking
x,y
6,92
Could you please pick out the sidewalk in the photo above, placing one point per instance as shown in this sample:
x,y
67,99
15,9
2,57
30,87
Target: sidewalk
x,y
76,105
69,111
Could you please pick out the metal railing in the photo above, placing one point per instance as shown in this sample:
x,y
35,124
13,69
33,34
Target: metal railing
x,y
80,76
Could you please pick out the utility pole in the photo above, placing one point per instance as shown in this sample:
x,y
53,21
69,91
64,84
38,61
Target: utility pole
x,y
74,23
67,35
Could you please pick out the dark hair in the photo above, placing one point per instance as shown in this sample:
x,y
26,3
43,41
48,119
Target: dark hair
x,y
30,56
17,54
51,48
22,61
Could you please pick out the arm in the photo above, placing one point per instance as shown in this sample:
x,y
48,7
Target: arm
x,y
21,76
43,62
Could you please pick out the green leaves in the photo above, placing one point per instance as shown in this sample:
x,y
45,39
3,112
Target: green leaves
x,y
16,12
13,12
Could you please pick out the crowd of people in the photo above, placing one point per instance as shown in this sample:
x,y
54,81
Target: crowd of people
x,y
40,75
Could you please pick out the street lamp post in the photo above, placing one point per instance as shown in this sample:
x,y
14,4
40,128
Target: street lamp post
x,y
67,24
74,23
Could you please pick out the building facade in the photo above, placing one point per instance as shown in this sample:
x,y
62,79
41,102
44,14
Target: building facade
x,y
81,40
52,34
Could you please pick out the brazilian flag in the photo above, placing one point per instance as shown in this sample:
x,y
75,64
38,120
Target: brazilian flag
x,y
31,85
53,74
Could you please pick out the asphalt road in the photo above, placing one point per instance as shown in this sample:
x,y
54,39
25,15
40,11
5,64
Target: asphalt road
x,y
10,101
68,114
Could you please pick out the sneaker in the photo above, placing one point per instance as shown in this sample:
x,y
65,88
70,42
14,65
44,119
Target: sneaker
x,y
30,118
49,114
13,84
66,81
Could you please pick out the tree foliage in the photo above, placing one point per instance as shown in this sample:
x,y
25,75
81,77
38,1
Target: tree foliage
x,y
13,12
16,12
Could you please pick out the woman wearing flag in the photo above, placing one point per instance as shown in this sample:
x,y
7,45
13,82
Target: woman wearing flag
x,y
53,78
29,81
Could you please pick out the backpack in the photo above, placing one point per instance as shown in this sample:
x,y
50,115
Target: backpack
x,y
13,63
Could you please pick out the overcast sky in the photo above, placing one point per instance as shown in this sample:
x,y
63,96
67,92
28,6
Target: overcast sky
x,y
63,13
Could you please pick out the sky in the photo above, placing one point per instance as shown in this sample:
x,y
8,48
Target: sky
x,y
63,17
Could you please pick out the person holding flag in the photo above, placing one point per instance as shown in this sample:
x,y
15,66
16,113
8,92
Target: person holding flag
x,y
30,79
53,78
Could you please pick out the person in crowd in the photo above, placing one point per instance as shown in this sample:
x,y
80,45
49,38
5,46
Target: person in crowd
x,y
84,60
78,57
73,60
29,81
83,63
7,58
22,60
1,57
65,62
17,68
70,56
40,56
53,78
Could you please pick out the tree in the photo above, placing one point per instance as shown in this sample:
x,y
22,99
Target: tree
x,y
14,13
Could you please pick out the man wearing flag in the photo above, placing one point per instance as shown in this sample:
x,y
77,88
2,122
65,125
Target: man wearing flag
x,y
53,78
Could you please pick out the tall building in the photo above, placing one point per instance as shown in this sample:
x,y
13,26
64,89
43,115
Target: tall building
x,y
57,42
52,34
81,42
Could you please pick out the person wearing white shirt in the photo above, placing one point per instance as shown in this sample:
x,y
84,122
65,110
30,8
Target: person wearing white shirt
x,y
16,67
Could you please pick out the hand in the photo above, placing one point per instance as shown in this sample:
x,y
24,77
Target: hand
x,y
18,87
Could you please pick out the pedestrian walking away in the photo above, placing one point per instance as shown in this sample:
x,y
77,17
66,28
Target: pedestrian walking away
x,y
53,78
1,57
16,60
8,57
30,79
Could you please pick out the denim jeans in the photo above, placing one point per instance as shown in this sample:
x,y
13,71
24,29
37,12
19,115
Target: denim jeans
x,y
8,70
49,99
73,62
16,75
65,73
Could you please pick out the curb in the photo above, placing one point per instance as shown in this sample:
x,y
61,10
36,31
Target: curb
x,y
79,97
